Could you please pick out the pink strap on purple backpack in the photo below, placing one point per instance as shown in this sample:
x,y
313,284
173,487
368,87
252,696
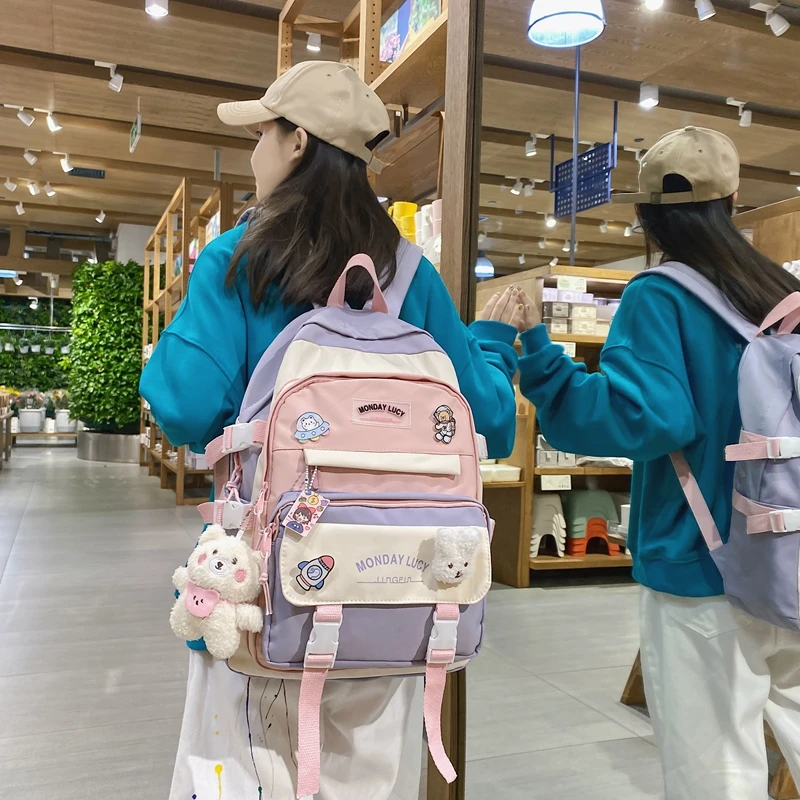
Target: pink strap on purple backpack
x,y
337,295
696,501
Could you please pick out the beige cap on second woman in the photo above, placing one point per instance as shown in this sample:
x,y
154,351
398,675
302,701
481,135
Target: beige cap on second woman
x,y
707,159
327,99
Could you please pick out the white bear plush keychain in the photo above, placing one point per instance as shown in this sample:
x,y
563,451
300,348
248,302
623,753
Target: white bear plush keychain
x,y
454,552
217,589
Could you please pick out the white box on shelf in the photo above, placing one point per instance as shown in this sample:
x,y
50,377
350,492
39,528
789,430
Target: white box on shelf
x,y
550,310
557,325
49,425
625,514
14,424
567,459
549,294
569,348
583,311
546,458
541,443
605,313
602,328
566,296
571,283
583,327
556,483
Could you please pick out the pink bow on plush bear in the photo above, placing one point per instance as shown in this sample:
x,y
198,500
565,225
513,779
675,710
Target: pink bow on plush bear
x,y
217,589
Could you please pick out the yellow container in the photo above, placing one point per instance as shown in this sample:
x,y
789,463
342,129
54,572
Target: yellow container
x,y
400,209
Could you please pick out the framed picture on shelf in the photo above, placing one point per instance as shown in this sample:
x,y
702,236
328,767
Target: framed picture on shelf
x,y
194,251
405,25
212,228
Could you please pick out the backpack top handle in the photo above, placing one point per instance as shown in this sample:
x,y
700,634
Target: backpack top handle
x,y
336,298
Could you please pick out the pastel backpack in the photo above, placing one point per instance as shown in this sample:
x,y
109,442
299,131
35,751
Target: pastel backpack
x,y
760,561
365,503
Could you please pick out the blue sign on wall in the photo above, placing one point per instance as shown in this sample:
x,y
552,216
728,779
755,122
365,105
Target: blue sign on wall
x,y
82,172
594,180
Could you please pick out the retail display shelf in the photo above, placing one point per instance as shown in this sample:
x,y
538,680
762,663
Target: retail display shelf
x,y
417,78
503,484
582,471
591,561
43,435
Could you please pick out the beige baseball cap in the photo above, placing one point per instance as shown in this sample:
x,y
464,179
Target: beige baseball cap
x,y
707,159
327,99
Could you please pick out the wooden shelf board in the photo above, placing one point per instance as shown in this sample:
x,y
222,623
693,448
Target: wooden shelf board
x,y
503,484
578,339
591,561
582,471
416,79
43,435
156,455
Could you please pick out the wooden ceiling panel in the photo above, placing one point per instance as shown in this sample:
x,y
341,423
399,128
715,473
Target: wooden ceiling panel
x,y
541,202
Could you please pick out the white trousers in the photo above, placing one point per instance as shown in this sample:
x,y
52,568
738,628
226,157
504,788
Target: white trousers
x,y
370,731
711,674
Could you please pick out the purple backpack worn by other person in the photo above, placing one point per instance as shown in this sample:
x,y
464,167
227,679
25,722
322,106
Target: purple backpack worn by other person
x,y
760,562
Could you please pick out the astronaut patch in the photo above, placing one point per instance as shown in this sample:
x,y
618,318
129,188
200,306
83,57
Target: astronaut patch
x,y
314,573
444,424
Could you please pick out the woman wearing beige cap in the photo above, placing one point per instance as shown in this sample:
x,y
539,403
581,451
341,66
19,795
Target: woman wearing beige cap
x,y
668,396
317,126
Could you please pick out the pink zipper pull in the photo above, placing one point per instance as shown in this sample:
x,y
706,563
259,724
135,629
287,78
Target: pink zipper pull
x,y
264,581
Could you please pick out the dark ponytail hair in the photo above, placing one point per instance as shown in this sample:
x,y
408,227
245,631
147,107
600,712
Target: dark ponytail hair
x,y
703,236
299,239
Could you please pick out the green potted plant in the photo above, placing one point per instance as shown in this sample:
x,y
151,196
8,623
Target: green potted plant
x,y
49,346
64,345
31,404
62,412
106,358
8,344
24,345
36,343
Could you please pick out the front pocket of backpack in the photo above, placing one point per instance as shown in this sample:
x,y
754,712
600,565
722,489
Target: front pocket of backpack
x,y
375,559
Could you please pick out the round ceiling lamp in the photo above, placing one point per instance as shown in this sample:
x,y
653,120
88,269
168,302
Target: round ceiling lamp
x,y
565,23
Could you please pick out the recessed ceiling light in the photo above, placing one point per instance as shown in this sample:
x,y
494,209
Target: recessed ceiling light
x,y
52,123
25,118
31,158
314,43
49,190
101,217
157,8
10,185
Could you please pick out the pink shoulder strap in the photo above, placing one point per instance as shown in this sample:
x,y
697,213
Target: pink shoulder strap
x,y
336,298
787,312
696,501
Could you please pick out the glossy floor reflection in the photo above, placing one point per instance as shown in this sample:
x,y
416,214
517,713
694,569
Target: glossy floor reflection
x,y
92,679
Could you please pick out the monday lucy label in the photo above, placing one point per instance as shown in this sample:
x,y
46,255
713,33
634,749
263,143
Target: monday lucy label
x,y
381,413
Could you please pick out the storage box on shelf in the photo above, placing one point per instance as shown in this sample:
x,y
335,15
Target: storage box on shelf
x,y
567,295
169,257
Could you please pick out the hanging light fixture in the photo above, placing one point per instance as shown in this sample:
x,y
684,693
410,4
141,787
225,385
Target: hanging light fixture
x,y
157,8
567,246
18,280
554,262
483,267
705,9
10,185
314,43
648,96
565,23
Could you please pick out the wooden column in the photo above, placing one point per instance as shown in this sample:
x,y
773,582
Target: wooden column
x,y
369,40
462,128
460,187
291,11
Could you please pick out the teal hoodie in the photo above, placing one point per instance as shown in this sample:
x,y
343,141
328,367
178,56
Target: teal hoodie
x,y
667,381
197,375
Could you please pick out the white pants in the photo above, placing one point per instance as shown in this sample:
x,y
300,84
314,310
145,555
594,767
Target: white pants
x,y
711,675
370,730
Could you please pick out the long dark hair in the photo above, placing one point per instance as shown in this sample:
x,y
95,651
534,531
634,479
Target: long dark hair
x,y
703,236
299,239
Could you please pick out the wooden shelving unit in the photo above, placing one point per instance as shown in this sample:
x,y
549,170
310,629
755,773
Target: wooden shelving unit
x,y
6,437
513,509
167,266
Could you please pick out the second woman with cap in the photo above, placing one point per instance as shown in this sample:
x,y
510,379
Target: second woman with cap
x,y
668,383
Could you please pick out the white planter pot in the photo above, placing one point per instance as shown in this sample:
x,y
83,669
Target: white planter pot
x,y
65,349
30,420
24,349
8,347
49,350
36,348
63,423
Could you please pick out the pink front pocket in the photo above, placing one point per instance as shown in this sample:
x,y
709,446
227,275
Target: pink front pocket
x,y
402,434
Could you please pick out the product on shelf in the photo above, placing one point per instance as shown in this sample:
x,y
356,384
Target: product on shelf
x,y
548,521
551,310
588,514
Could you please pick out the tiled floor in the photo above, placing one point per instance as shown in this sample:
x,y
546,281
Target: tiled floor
x,y
92,679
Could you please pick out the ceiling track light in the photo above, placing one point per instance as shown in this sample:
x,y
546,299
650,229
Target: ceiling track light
x,y
49,190
542,244
10,185
648,96
314,43
517,188
25,118
34,304
628,231
115,84
604,226
65,162
157,8
554,262
529,189
777,24
100,218
52,123
530,147
567,246
33,188
745,115
550,221
18,280
521,258
20,208
705,9
653,5
30,157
